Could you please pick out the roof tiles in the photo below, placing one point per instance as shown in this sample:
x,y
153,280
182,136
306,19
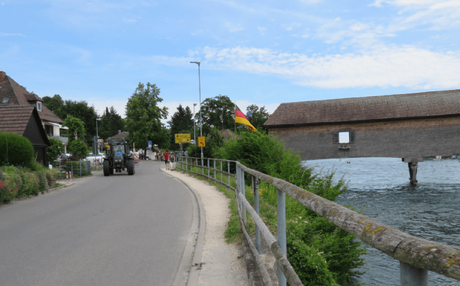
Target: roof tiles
x,y
387,107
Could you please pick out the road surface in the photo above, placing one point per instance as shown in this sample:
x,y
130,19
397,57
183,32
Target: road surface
x,y
117,230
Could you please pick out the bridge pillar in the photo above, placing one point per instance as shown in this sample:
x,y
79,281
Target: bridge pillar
x,y
413,164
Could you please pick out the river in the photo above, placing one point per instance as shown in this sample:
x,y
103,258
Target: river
x,y
380,187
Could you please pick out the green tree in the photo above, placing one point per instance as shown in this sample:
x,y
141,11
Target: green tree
x,y
143,117
110,123
76,128
214,141
181,122
78,148
257,116
55,149
217,112
54,104
85,113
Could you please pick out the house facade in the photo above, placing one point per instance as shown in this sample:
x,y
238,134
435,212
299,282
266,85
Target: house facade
x,y
13,94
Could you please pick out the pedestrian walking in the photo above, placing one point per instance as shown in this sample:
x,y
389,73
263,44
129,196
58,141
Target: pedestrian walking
x,y
172,158
166,158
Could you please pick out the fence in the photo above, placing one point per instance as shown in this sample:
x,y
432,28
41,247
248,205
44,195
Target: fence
x,y
417,256
78,168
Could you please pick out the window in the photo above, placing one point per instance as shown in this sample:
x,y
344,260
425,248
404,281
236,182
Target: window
x,y
39,106
5,100
344,137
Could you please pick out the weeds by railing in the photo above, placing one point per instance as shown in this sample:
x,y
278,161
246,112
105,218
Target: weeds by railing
x,y
417,256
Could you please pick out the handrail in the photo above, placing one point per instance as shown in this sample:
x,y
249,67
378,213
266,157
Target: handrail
x,y
414,253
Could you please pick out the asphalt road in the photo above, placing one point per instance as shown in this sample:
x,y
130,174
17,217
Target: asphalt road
x,y
117,230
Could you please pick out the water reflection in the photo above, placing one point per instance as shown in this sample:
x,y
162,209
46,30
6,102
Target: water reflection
x,y
380,186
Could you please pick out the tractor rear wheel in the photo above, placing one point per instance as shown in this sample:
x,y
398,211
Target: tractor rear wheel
x,y
130,167
107,168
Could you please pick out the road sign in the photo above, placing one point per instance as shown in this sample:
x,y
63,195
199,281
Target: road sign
x,y
150,143
201,141
182,138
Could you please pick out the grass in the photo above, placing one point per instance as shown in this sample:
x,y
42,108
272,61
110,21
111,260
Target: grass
x,y
233,233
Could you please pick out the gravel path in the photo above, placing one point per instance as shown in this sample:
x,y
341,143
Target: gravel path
x,y
222,262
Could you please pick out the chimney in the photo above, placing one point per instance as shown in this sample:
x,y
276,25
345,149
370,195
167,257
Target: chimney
x,y
2,76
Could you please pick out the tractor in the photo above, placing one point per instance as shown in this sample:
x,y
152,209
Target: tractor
x,y
118,157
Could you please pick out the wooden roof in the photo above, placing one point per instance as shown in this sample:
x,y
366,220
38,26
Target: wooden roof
x,y
18,95
372,108
14,119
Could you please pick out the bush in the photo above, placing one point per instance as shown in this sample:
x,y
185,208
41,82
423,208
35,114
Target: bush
x,y
55,149
320,252
16,150
78,148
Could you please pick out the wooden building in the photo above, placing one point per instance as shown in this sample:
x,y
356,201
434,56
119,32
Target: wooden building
x,y
408,126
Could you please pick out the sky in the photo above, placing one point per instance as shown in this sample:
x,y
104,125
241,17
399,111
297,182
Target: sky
x,y
255,52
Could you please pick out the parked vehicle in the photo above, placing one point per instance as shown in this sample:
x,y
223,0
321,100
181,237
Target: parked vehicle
x,y
95,159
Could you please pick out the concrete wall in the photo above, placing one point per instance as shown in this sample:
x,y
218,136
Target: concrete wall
x,y
412,138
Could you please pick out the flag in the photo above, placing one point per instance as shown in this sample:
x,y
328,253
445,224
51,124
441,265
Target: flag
x,y
241,118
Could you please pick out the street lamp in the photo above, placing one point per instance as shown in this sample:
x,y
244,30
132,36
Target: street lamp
x,y
201,122
97,137
194,124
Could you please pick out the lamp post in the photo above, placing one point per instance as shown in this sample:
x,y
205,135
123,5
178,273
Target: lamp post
x,y
201,122
97,136
194,124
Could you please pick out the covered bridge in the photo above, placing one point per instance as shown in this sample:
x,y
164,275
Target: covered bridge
x,y
408,126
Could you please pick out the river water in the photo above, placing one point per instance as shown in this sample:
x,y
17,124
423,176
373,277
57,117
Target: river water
x,y
380,187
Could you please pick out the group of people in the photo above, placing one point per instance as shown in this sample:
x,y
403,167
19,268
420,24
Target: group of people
x,y
170,160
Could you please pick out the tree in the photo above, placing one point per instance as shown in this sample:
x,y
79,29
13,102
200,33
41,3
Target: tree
x,y
110,123
85,113
55,149
257,116
181,122
143,117
218,112
54,104
76,128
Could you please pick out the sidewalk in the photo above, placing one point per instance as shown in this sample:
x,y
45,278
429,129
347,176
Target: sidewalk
x,y
221,263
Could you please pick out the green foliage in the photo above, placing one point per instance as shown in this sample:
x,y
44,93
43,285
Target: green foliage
x,y
257,116
78,148
18,182
77,109
143,117
16,150
110,123
320,252
55,149
217,112
76,128
181,123
214,141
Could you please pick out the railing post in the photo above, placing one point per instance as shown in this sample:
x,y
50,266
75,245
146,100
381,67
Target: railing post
x,y
413,276
214,169
243,191
228,176
208,168
202,164
255,190
281,210
221,176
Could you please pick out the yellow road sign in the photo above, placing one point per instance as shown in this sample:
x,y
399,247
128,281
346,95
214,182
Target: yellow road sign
x,y
201,141
182,138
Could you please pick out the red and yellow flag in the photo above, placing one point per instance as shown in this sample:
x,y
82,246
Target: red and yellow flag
x,y
241,118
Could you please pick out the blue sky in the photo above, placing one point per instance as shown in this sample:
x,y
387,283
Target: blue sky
x,y
256,52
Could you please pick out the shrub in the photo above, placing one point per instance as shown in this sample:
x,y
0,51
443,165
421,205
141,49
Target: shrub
x,y
320,252
16,150
78,148
55,149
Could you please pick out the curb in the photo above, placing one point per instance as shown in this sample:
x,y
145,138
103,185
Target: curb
x,y
190,265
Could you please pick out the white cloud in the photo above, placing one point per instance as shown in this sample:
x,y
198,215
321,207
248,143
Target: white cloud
x,y
394,66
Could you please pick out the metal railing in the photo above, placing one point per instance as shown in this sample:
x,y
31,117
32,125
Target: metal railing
x,y
417,256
